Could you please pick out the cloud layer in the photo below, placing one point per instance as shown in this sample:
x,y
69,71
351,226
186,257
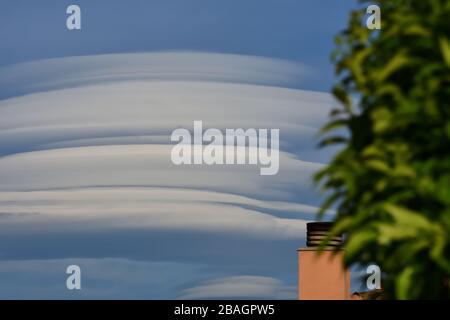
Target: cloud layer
x,y
85,156
241,287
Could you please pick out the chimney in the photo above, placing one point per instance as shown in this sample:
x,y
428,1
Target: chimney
x,y
322,276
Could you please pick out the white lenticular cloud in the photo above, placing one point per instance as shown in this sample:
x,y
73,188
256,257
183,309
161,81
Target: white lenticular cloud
x,y
240,287
56,73
105,121
85,147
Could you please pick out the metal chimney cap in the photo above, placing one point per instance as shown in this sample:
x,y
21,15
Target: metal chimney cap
x,y
324,226
316,232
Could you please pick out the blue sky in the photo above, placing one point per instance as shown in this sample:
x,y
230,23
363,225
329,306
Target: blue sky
x,y
289,29
85,122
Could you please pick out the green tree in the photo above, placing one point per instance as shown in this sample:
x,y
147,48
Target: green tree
x,y
390,181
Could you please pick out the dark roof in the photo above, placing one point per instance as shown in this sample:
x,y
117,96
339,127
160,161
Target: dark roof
x,y
377,294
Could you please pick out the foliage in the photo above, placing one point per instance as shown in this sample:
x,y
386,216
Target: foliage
x,y
390,182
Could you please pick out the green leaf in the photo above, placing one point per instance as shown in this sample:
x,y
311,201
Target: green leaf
x,y
445,50
342,96
392,232
332,140
409,218
404,282
417,30
397,62
358,241
328,203
378,165
333,125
